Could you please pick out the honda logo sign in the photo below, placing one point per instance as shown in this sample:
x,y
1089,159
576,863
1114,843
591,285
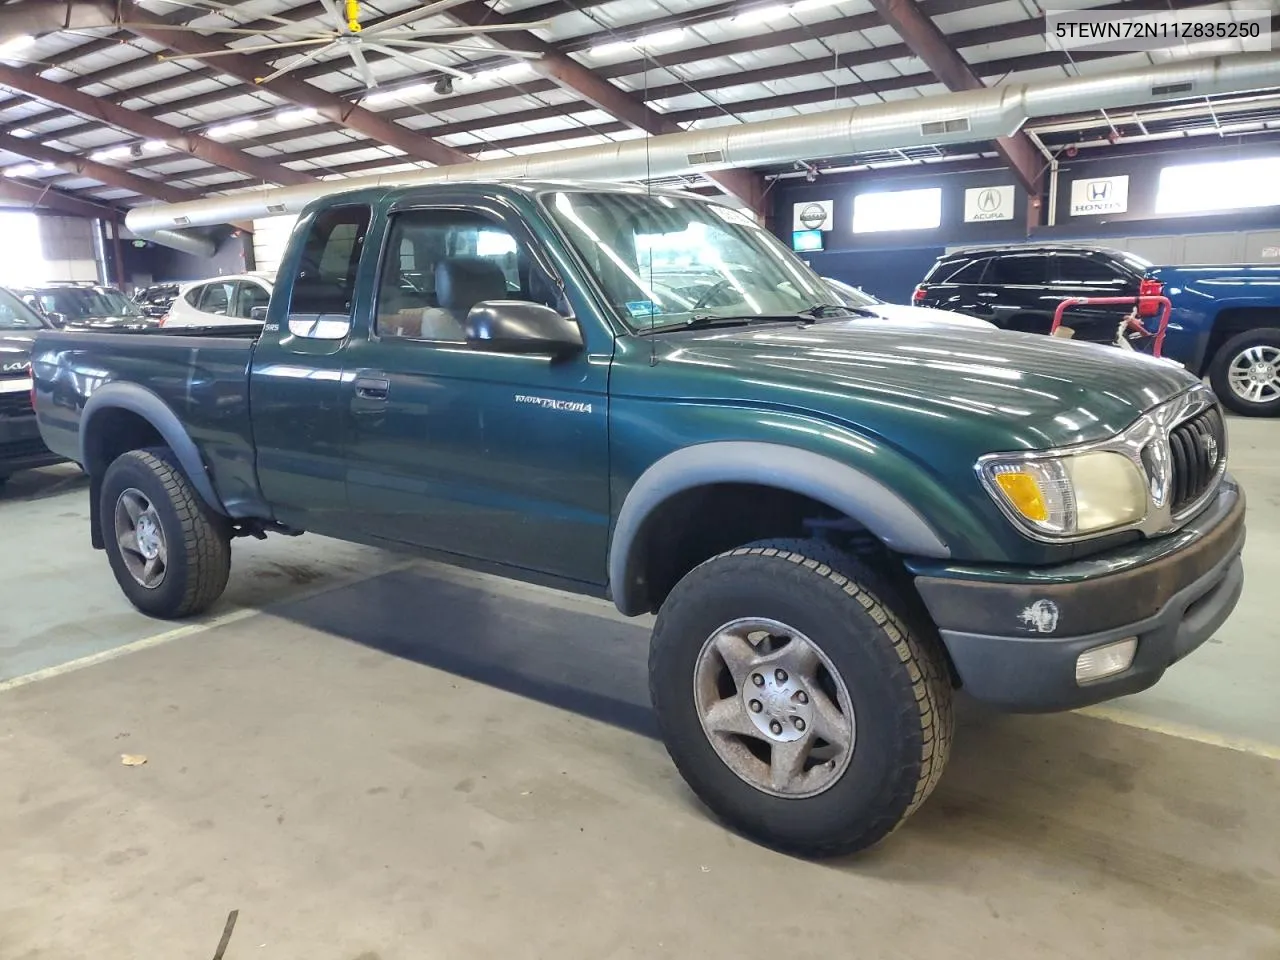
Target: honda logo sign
x,y
1099,196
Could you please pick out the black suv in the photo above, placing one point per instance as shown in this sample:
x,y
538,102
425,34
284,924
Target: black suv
x,y
1019,287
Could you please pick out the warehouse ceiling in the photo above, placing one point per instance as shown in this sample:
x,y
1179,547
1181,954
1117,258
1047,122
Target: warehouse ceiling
x,y
131,105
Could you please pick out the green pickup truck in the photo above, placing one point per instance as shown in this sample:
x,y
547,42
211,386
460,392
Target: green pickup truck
x,y
644,396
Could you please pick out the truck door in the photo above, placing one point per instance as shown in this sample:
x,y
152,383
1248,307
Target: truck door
x,y
496,457
299,406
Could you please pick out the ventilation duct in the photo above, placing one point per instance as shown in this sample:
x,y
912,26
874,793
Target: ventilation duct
x,y
949,118
184,242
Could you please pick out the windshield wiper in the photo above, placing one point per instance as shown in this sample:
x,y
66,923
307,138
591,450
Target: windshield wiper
x,y
821,311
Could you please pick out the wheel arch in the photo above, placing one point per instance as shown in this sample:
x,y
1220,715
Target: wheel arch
x,y
790,476
119,417
1234,318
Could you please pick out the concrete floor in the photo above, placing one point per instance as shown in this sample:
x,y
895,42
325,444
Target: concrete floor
x,y
370,759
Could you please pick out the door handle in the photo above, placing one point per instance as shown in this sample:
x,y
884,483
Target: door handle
x,y
372,386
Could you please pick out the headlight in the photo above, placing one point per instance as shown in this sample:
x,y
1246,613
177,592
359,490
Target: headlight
x,y
1070,495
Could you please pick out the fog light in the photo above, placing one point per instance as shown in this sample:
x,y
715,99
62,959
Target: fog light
x,y
1106,660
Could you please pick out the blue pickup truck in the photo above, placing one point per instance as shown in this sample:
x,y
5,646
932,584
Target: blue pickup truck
x,y
1224,323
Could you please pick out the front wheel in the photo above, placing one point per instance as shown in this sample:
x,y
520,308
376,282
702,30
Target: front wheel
x,y
169,552
1245,373
796,704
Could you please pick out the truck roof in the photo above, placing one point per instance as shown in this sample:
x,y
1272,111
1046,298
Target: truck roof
x,y
512,187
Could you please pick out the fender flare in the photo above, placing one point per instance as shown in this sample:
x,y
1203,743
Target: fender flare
x,y
144,403
851,491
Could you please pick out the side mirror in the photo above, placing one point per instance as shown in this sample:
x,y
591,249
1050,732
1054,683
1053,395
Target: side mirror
x,y
516,326
258,313
57,319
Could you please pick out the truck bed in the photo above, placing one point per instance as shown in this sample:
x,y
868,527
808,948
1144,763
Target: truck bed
x,y
200,374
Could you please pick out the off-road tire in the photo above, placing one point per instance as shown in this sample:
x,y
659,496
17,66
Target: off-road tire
x,y
1221,363
896,678
199,544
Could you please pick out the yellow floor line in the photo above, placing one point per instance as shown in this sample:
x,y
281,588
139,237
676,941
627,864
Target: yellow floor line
x,y
1182,731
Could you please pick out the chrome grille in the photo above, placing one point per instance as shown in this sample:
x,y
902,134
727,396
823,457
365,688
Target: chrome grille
x,y
1197,448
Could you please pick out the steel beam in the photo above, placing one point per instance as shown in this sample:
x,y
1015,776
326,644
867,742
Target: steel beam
x,y
96,108
932,46
570,74
104,174
331,106
24,193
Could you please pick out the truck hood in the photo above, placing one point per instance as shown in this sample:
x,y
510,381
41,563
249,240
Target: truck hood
x,y
985,390
900,313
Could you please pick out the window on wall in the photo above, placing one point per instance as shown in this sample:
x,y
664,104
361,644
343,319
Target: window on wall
x,y
1222,185
23,262
897,210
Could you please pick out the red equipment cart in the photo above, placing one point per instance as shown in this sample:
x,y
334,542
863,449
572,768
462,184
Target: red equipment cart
x,y
1146,306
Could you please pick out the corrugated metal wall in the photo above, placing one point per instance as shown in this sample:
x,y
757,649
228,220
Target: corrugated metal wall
x,y
68,249
270,235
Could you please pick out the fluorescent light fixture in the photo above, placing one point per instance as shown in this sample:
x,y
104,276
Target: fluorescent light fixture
x,y
111,153
663,38
512,71
804,6
385,96
15,44
762,14
229,129
298,115
22,170
155,146
612,48
21,134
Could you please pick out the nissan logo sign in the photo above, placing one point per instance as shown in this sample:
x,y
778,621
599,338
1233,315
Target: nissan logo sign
x,y
813,216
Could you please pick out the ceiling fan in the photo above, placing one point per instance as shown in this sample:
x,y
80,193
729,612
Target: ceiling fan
x,y
393,37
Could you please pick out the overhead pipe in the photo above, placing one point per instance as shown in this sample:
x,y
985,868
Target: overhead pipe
x,y
184,241
948,118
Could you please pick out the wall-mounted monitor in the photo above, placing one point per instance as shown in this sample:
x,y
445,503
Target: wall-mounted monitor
x,y
806,241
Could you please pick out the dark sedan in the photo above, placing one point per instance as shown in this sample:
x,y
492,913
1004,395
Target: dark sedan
x,y
20,445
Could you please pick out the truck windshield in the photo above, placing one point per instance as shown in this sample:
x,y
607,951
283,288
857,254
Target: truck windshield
x,y
16,315
82,303
663,260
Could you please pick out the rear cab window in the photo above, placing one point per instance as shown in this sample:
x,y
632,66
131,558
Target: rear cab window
x,y
323,287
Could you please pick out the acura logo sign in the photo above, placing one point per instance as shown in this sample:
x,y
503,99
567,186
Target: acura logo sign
x,y
988,201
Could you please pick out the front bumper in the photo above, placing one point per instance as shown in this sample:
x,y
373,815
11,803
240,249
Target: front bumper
x,y
1014,635
21,447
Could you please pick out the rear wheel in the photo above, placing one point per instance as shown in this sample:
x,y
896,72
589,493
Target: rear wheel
x,y
169,552
798,705
1245,372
